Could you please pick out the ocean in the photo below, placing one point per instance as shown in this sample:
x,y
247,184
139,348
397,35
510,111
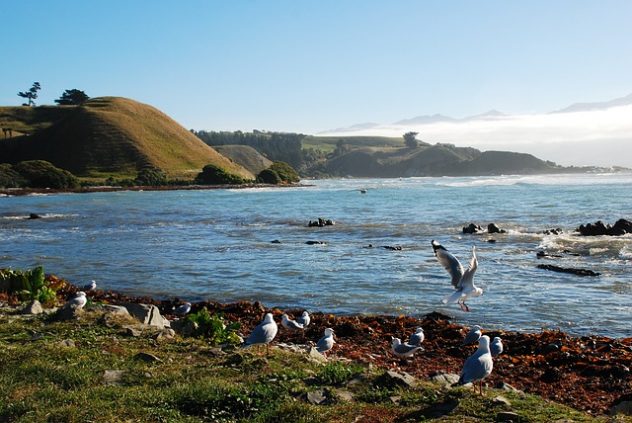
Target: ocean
x,y
217,245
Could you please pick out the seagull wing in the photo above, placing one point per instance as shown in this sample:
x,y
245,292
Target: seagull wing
x,y
449,263
262,334
468,276
325,344
476,367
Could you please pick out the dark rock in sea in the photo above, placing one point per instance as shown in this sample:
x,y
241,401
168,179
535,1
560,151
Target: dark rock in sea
x,y
621,227
578,272
34,216
472,229
492,228
543,254
315,243
275,241
392,247
491,241
320,223
553,231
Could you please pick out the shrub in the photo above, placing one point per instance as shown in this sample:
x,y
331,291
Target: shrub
x,y
42,174
9,178
285,172
213,175
269,176
337,373
213,327
151,176
29,284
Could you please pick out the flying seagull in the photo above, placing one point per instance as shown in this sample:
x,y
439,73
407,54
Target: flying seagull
x,y
478,366
417,338
403,350
462,280
496,347
473,335
326,342
304,319
264,333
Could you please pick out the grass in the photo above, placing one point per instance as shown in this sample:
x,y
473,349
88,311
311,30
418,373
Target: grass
x,y
110,135
41,380
328,144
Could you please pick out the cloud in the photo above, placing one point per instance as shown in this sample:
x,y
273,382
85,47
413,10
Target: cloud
x,y
595,137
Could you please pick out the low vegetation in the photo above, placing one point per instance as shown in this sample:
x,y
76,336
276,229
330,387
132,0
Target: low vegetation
x,y
279,173
214,175
36,174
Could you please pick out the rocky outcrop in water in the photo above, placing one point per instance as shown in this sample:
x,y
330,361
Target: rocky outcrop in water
x,y
492,228
472,228
320,223
621,227
578,272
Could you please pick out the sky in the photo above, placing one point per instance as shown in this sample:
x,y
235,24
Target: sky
x,y
310,66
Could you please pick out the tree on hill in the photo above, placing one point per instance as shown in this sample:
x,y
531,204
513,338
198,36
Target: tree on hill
x,y
31,94
72,97
410,139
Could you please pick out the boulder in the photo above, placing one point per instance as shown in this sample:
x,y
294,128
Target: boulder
x,y
320,223
621,227
34,307
115,310
315,243
34,216
492,228
316,397
68,312
508,416
391,379
622,406
445,379
392,247
472,229
147,314
553,231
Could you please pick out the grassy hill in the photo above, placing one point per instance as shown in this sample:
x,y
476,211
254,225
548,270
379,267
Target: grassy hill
x,y
245,156
328,144
108,136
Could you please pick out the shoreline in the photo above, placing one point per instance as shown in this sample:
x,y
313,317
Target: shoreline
x,y
588,373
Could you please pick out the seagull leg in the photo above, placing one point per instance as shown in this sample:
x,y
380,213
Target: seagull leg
x,y
464,306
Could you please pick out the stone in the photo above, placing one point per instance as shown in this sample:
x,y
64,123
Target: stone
x,y
184,327
472,229
314,356
113,377
68,313
34,216
507,416
147,357
621,227
344,395
148,315
500,400
623,405
445,379
508,388
164,334
34,307
315,243
115,310
316,397
133,331
492,228
391,379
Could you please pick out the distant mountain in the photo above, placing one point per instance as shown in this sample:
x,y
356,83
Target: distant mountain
x,y
108,135
491,114
423,120
603,105
356,127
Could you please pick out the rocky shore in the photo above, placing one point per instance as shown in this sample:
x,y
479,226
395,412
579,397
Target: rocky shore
x,y
590,373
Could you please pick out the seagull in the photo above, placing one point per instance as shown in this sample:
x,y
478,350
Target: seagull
x,y
417,338
462,280
290,324
91,286
496,347
473,335
78,301
183,309
326,342
403,350
264,333
478,366
304,319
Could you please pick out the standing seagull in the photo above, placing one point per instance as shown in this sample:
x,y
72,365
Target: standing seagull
x,y
473,335
326,342
304,319
91,286
417,338
183,309
403,350
264,333
289,323
78,301
478,366
497,346
462,280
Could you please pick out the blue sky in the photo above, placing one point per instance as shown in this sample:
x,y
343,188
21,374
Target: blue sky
x,y
309,66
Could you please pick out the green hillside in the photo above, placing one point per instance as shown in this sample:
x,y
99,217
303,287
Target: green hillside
x,y
245,156
108,136
328,144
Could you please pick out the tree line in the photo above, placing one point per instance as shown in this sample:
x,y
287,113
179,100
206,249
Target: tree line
x,y
73,97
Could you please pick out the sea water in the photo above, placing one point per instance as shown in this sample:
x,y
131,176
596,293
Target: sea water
x,y
217,245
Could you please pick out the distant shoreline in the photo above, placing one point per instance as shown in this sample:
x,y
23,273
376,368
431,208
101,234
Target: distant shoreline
x,y
16,192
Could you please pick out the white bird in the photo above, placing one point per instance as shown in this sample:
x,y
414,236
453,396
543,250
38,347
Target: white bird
x,y
304,319
417,338
326,342
183,309
403,350
462,280
473,335
478,366
290,324
79,301
496,347
264,333
91,286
